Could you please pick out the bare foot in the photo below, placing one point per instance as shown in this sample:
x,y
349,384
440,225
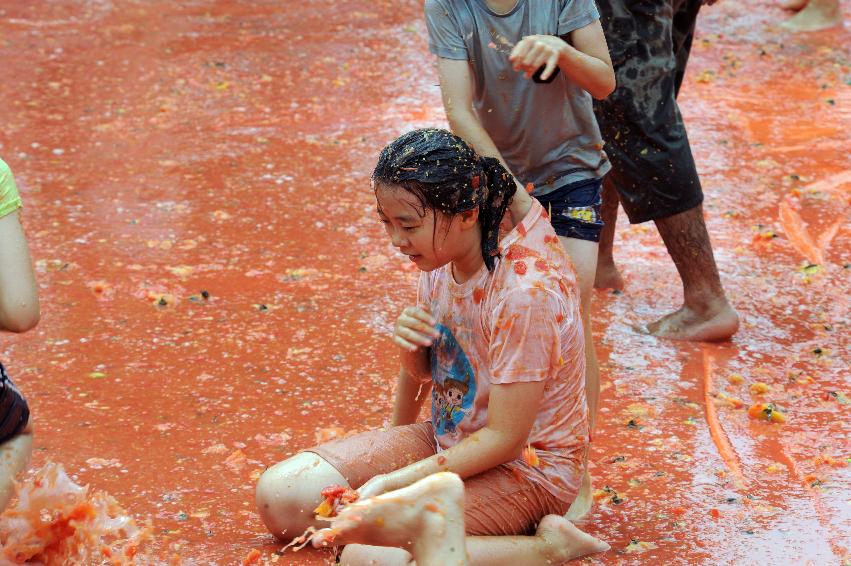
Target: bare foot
x,y
583,502
716,323
563,541
425,518
793,4
608,276
817,15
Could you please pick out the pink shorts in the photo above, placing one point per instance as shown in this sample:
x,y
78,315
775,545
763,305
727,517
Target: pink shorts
x,y
499,502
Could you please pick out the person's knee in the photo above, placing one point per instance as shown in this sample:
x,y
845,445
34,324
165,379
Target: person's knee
x,y
288,492
359,554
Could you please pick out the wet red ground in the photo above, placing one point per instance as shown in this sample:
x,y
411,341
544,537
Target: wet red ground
x,y
165,149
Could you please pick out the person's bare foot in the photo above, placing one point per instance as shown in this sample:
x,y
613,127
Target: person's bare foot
x,y
793,4
608,276
716,323
562,541
583,502
817,15
425,518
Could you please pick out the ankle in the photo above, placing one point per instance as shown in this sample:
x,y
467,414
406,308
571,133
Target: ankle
x,y
706,302
605,260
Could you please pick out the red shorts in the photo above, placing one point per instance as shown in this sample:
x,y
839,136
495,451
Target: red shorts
x,y
499,502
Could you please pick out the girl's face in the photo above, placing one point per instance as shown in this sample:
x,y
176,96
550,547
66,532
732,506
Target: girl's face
x,y
431,240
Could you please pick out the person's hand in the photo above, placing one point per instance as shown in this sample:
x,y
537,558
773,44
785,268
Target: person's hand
x,y
415,328
536,50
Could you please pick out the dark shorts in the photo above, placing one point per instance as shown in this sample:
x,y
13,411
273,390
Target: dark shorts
x,y
14,411
652,166
498,502
574,209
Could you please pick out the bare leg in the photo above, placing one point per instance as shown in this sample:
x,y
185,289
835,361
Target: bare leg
x,y
793,4
705,315
557,541
427,519
584,499
584,255
816,15
288,492
608,276
14,456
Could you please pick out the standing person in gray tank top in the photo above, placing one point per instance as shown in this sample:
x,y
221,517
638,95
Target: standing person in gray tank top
x,y
517,79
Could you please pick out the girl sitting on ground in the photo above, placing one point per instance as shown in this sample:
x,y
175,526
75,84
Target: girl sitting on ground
x,y
427,519
497,337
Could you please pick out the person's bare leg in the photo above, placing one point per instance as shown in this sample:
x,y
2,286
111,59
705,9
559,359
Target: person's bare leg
x,y
14,456
584,499
607,275
584,255
705,315
793,4
556,541
816,15
427,520
288,492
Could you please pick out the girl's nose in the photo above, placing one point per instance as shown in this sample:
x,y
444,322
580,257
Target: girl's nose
x,y
398,239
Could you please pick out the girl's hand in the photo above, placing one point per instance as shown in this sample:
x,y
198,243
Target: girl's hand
x,y
536,50
415,328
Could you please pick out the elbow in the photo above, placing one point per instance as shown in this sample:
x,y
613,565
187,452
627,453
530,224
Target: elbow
x,y
511,447
452,118
606,88
23,320
457,117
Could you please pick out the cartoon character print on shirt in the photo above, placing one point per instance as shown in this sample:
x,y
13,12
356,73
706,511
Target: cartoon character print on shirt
x,y
454,383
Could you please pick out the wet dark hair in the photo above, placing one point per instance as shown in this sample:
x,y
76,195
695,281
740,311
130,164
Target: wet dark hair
x,y
446,175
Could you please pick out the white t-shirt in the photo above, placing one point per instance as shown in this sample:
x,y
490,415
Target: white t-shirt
x,y
519,323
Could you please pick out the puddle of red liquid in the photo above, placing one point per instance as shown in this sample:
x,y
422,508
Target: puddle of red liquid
x,y
166,150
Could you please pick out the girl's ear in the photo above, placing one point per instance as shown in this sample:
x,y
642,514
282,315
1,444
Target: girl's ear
x,y
469,219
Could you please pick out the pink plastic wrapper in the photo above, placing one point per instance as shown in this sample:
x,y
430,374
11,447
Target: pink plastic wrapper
x,y
55,521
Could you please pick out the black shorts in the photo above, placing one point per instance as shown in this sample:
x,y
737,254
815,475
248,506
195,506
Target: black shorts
x,y
652,166
14,411
574,209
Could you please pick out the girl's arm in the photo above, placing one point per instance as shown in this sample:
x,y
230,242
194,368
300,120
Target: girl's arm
x,y
584,58
512,409
414,333
19,309
456,88
410,395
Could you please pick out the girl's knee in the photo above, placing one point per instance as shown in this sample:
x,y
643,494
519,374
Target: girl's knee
x,y
288,492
